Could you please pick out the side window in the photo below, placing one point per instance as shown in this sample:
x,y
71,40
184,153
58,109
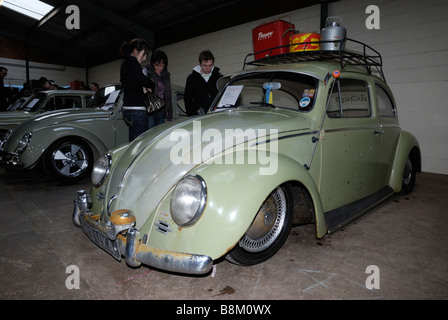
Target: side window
x,y
50,105
385,105
349,99
68,102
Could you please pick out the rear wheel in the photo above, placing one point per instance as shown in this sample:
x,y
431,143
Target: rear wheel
x,y
69,160
268,231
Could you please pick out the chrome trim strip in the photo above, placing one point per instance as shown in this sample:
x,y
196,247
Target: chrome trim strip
x,y
109,203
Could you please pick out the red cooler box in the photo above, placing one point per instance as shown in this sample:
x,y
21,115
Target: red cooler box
x,y
77,85
270,35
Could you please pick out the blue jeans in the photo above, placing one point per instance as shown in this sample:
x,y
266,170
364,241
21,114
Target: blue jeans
x,y
137,121
156,119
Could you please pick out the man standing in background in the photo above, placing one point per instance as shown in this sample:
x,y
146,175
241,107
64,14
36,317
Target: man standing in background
x,y
200,89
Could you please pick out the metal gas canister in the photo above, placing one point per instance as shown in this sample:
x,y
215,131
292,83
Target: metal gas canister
x,y
334,32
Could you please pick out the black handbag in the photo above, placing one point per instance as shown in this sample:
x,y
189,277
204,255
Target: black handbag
x,y
153,102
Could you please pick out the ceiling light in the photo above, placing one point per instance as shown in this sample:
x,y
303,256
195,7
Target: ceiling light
x,y
32,8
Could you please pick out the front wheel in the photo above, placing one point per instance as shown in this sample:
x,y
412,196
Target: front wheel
x,y
409,175
268,231
69,160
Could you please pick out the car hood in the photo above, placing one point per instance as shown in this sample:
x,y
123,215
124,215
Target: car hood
x,y
11,119
151,165
51,118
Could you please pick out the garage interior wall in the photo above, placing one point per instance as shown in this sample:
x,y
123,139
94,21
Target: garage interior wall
x,y
412,38
62,75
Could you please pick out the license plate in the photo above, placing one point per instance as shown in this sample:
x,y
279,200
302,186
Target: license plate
x,y
101,240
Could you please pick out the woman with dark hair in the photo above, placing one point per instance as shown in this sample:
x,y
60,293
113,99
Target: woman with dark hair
x,y
134,84
157,71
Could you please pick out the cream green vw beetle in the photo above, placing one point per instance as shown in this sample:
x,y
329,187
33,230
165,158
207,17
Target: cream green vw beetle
x,y
284,143
65,142
40,102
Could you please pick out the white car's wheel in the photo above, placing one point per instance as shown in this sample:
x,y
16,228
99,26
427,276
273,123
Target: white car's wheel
x,y
69,160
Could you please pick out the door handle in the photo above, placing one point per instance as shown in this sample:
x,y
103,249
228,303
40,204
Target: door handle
x,y
378,131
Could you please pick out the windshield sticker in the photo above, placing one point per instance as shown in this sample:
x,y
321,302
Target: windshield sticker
x,y
308,93
304,102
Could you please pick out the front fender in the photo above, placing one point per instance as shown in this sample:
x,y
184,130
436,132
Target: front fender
x,y
43,138
235,192
406,144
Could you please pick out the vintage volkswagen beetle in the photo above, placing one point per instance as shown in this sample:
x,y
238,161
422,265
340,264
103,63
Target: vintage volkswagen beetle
x,y
66,142
40,102
286,142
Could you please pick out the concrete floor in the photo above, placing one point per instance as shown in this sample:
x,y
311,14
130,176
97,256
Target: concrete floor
x,y
405,238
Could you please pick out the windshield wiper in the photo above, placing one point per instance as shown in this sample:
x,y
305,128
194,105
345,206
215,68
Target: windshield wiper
x,y
262,103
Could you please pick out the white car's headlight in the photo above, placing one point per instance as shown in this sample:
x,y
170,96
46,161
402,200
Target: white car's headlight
x,y
101,170
24,142
188,200
5,138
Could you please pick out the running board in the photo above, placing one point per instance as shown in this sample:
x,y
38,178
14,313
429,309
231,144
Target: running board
x,y
342,216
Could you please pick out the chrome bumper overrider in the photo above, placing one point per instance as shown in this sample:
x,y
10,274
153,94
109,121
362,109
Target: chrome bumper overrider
x,y
10,160
130,246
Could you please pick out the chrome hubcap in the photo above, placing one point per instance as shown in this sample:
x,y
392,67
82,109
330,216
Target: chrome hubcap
x,y
268,223
70,160
407,174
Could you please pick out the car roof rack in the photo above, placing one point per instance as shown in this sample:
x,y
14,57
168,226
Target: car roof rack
x,y
367,57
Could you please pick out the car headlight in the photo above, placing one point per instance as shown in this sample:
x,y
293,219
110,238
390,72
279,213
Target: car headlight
x,y
188,200
5,138
24,142
101,170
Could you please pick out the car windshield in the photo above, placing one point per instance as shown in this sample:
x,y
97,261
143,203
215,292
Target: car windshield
x,y
16,105
105,98
33,103
270,89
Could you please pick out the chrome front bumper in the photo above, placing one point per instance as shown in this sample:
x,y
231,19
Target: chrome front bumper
x,y
130,245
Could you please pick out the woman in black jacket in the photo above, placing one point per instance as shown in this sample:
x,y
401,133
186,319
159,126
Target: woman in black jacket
x,y
134,83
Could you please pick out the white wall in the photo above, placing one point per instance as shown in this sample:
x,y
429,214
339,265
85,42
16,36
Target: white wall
x,y
230,46
107,73
413,40
62,75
